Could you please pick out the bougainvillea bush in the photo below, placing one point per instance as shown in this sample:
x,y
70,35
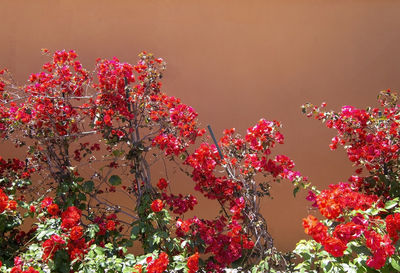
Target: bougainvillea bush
x,y
360,230
88,138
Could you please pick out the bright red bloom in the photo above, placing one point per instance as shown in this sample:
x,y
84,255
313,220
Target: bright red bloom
x,y
340,197
46,202
76,232
184,225
381,248
12,205
393,226
347,232
378,260
107,120
193,263
3,201
32,209
16,269
137,268
159,265
315,228
180,204
334,246
18,260
70,217
53,209
157,205
162,184
77,249
248,244
51,246
30,270
110,225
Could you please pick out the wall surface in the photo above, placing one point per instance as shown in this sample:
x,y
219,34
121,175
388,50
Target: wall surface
x,y
234,62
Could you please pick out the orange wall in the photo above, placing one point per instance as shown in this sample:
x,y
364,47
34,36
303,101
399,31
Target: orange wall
x,y
234,62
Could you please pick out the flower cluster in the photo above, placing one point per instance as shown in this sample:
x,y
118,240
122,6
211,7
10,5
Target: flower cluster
x,y
370,138
339,198
193,263
131,124
158,265
6,203
360,213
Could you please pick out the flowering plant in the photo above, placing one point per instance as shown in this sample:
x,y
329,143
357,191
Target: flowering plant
x,y
88,136
360,232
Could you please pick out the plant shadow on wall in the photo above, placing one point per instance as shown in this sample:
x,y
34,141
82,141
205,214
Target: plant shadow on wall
x,y
89,135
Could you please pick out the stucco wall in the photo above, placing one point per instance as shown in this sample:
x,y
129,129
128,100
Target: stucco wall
x,y
234,62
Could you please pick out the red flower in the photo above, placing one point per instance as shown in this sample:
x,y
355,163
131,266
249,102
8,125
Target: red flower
x,y
70,217
46,202
32,208
48,247
162,184
110,225
30,270
137,268
77,249
393,226
381,248
334,246
18,260
193,263
315,228
159,265
107,120
378,260
51,246
53,209
12,205
76,233
248,244
347,232
3,201
16,269
157,205
182,227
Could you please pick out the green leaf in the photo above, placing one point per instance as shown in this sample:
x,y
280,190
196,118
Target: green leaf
x,y
92,230
392,203
115,180
88,186
296,190
135,232
61,262
81,197
395,264
328,267
79,179
118,152
99,250
45,234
